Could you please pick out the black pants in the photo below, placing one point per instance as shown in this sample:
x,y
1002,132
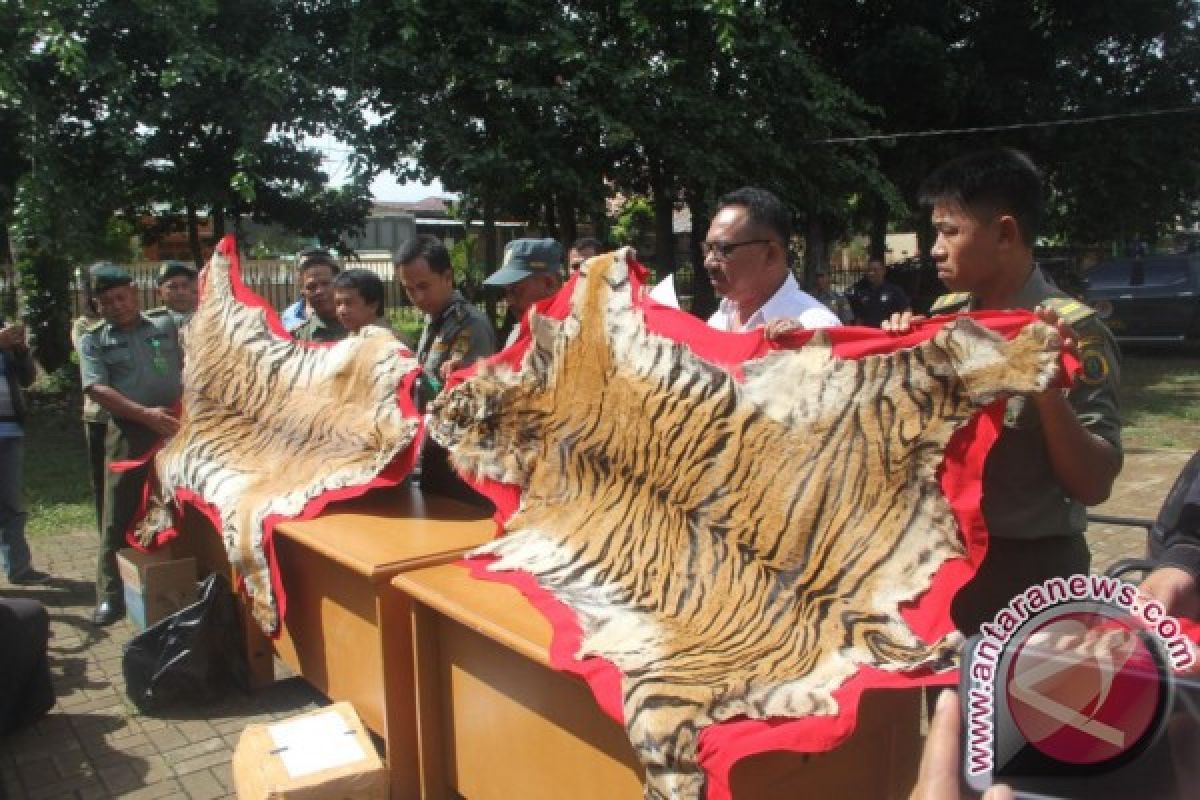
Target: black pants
x,y
26,692
95,433
1010,567
122,497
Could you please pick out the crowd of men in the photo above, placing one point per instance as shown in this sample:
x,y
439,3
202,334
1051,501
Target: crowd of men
x,y
1058,451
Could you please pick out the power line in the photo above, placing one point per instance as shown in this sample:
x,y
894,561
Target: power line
x,y
1012,127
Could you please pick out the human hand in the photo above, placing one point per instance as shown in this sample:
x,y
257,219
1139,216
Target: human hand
x,y
776,329
12,337
1066,334
448,366
937,777
161,422
1176,589
902,322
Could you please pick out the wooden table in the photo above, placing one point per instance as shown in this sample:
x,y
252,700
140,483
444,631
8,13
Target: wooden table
x,y
346,631
495,720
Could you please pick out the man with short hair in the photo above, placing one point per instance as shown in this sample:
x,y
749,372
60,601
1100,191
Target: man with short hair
x,y
16,373
834,301
177,288
581,251
746,255
529,274
873,298
130,364
316,271
456,334
1057,451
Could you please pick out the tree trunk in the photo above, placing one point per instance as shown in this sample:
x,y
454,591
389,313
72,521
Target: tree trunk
x,y
193,228
816,248
704,299
664,212
877,247
566,221
551,228
490,254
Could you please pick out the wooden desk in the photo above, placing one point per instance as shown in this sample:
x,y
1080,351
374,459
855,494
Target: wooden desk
x,y
494,720
346,631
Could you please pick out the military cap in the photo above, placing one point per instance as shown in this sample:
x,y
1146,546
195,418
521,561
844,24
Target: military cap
x,y
525,257
106,276
170,269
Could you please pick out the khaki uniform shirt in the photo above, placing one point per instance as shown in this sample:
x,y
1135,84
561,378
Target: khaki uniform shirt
x,y
1021,497
92,411
461,331
316,329
144,364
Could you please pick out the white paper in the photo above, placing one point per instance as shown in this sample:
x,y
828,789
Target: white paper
x,y
311,744
664,292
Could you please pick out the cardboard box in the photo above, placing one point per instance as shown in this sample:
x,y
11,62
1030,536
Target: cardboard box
x,y
156,585
322,755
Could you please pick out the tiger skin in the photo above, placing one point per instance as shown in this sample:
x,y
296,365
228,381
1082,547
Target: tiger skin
x,y
733,548
268,424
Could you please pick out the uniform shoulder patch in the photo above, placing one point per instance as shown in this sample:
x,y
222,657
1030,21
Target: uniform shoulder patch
x,y
950,302
1068,309
1094,368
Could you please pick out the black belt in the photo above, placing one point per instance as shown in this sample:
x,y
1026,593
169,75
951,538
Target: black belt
x,y
9,419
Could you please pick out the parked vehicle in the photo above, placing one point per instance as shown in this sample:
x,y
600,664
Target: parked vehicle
x,y
1153,298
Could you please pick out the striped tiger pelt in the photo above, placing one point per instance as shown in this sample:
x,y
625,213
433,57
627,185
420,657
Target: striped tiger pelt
x,y
269,424
734,548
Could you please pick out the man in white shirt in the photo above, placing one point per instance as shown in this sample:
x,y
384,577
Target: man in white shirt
x,y
746,256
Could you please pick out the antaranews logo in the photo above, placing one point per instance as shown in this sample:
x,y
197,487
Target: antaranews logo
x,y
1073,677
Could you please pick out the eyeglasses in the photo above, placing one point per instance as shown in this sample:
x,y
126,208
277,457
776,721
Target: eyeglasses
x,y
723,250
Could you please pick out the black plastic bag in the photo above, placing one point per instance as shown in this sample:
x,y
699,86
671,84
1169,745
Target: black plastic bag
x,y
193,656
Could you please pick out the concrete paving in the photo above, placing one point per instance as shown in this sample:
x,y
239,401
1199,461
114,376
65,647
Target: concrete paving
x,y
95,744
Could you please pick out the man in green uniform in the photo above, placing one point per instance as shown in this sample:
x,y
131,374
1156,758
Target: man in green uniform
x,y
317,271
177,288
131,365
456,334
528,275
1058,451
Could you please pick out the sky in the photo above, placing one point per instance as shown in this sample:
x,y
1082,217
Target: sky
x,y
386,188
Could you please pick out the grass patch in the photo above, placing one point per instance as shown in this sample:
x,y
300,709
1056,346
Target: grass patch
x,y
58,491
1160,398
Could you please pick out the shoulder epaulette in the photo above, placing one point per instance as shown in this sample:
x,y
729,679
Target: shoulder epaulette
x,y
157,312
1068,309
950,302
95,326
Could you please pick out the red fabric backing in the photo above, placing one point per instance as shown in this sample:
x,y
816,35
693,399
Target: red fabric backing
x,y
961,474
391,475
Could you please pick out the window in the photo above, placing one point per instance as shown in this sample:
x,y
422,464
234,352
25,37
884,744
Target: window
x,y
1109,275
1166,273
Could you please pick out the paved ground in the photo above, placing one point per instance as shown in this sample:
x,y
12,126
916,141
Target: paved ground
x,y
95,744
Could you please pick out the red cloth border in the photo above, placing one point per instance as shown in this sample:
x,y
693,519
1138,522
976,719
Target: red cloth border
x,y
961,473
391,475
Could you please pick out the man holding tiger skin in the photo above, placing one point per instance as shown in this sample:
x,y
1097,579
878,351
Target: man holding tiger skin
x,y
1058,451
746,256
131,365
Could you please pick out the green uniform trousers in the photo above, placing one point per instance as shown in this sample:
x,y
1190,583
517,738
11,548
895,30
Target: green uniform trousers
x,y
96,433
122,496
1010,567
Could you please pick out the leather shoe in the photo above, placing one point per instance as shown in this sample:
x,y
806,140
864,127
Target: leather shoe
x,y
107,612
